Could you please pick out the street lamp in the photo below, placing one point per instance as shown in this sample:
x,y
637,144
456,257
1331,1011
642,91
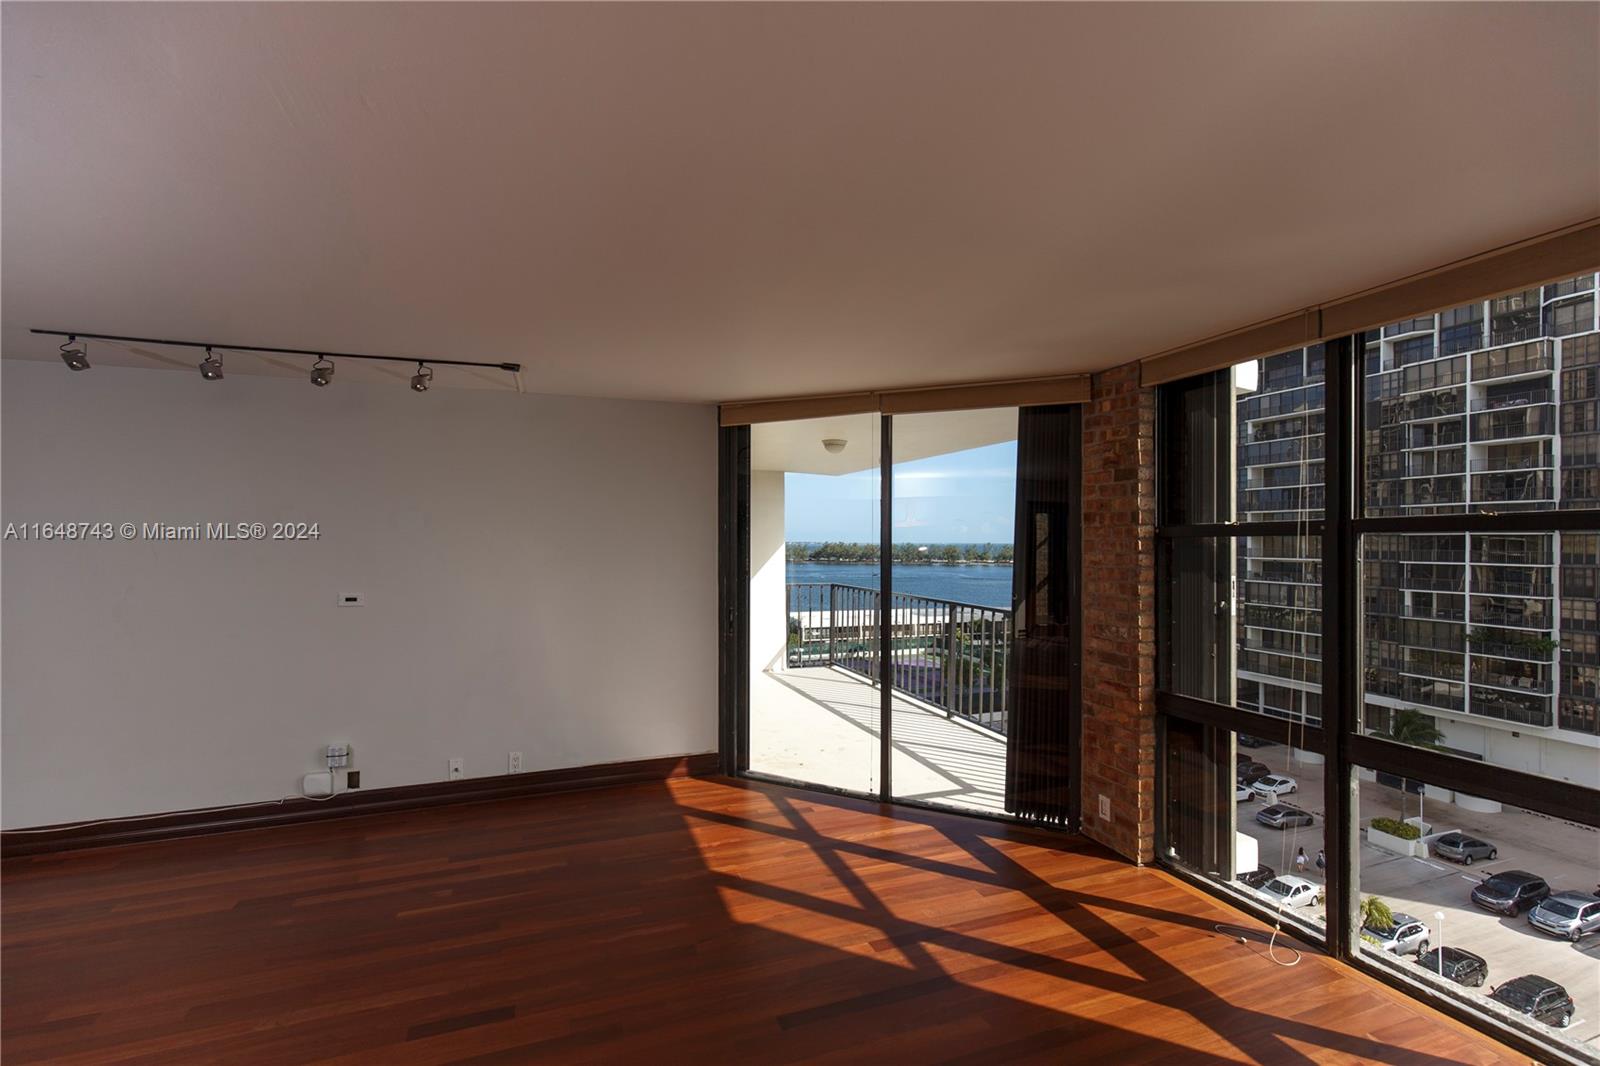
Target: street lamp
x,y
1439,917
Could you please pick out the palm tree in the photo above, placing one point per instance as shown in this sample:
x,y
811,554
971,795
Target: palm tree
x,y
1414,728
1375,913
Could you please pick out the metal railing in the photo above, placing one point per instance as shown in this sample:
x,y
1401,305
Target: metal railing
x,y
951,655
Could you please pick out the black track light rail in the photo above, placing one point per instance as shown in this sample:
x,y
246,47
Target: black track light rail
x,y
514,368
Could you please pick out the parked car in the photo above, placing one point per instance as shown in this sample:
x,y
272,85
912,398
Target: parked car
x,y
1568,914
1407,936
1283,815
1538,997
1510,892
1257,877
1462,967
1291,891
1274,785
1459,847
1248,741
1242,791
1251,772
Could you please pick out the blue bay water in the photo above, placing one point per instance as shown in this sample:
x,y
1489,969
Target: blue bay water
x,y
987,585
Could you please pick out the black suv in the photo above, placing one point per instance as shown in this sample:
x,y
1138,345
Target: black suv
x,y
1249,773
1510,892
1538,997
1462,967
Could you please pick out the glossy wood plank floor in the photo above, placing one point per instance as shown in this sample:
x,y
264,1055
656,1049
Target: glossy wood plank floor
x,y
691,920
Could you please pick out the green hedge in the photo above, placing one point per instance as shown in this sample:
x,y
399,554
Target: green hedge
x,y
1395,827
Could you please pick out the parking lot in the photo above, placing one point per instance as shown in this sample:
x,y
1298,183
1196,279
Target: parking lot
x,y
1566,855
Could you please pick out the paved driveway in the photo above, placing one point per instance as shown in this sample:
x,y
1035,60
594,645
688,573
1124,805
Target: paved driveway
x,y
1565,854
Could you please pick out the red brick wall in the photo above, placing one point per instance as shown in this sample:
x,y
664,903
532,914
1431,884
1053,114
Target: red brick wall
x,y
1119,520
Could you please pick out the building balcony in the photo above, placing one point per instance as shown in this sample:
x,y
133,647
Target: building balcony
x,y
1532,358
1516,708
815,715
1513,421
1527,397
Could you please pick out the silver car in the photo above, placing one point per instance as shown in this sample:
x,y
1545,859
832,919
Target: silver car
x,y
1407,936
1568,914
1463,848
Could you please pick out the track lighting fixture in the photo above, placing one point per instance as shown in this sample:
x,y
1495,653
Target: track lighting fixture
x,y
76,356
73,353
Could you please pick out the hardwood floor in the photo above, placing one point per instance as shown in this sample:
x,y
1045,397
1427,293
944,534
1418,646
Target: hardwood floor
x,y
687,920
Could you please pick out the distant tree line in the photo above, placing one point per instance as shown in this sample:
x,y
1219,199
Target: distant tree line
x,y
838,551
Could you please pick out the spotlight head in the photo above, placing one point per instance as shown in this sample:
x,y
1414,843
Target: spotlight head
x,y
322,371
211,367
422,378
75,355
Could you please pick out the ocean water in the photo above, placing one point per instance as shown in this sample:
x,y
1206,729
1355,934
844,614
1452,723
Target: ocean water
x,y
987,585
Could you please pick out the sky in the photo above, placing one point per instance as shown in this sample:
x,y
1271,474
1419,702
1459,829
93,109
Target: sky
x,y
961,498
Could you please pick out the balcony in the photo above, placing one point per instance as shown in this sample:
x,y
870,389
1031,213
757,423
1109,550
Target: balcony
x,y
817,717
1524,397
1507,707
1510,422
1515,361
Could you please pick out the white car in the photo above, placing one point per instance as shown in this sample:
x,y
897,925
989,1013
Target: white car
x,y
1274,785
1291,891
1242,792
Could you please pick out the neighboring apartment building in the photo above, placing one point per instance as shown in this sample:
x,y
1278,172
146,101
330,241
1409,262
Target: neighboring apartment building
x,y
1493,406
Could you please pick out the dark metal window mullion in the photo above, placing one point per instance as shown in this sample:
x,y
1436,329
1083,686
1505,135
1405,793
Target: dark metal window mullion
x,y
1341,680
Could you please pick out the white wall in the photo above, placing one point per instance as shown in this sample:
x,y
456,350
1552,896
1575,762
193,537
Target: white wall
x,y
769,629
539,575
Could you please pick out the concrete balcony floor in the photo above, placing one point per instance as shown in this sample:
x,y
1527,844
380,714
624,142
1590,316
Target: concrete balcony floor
x,y
819,724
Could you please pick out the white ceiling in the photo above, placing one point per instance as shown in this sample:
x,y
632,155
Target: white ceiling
x,y
704,202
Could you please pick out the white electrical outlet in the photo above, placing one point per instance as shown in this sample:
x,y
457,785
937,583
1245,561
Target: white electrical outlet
x,y
514,763
455,768
1105,808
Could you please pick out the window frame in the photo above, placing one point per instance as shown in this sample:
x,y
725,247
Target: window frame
x,y
1340,739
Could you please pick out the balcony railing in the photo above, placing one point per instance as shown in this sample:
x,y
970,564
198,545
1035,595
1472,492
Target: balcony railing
x,y
1520,711
1509,400
953,656
1509,362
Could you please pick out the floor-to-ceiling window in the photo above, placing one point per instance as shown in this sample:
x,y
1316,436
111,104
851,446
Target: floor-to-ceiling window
x,y
876,638
1386,547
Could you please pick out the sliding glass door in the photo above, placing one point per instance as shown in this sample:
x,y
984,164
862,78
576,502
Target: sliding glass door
x,y
815,509
954,484
877,620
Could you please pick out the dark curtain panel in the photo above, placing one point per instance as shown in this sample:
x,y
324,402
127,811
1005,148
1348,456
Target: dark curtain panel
x,y
1042,736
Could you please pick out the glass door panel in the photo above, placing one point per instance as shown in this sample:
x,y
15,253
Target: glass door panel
x,y
954,482
815,520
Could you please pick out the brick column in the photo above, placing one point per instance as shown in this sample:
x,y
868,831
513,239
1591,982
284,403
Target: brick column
x,y
1119,637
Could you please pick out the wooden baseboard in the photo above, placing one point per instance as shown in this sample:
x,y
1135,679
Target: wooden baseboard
x,y
74,835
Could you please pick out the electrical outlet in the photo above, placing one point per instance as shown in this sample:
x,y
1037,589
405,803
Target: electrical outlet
x,y
515,763
455,768
1105,808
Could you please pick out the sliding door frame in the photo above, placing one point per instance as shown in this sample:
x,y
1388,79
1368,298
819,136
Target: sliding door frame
x,y
733,572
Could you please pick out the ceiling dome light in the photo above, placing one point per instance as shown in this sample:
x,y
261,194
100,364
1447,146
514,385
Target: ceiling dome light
x,y
211,367
833,445
76,356
322,371
422,378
